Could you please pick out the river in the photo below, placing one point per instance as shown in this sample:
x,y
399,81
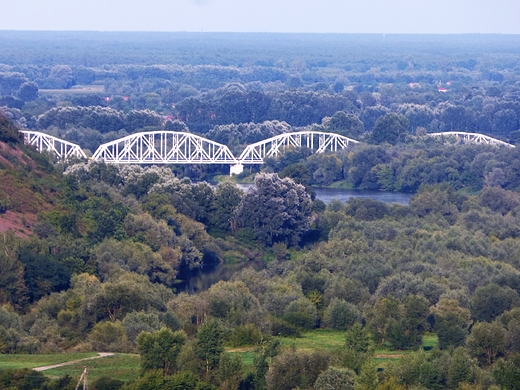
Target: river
x,y
327,195
201,279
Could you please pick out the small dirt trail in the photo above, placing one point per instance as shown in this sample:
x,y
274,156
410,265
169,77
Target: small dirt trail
x,y
100,355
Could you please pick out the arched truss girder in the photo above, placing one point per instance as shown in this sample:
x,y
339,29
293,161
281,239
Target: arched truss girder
x,y
164,147
318,141
47,143
471,138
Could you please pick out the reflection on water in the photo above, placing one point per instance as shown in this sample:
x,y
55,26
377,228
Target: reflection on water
x,y
327,195
200,279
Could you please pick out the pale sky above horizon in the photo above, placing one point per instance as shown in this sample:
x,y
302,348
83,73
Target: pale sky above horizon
x,y
320,16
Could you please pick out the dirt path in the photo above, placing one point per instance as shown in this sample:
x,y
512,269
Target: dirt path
x,y
100,355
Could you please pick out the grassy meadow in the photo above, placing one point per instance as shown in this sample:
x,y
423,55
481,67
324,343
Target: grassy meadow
x,y
120,366
32,361
126,366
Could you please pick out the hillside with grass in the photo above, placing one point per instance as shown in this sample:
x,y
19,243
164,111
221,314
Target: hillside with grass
x,y
29,183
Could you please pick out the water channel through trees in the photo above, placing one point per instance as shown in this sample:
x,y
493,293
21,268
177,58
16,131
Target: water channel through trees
x,y
202,278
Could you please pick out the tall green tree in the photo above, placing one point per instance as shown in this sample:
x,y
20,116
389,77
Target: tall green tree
x,y
159,350
210,344
451,323
391,128
276,210
487,342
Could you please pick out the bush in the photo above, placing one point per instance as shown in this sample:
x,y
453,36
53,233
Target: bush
x,y
107,383
282,328
301,313
109,337
335,378
244,335
341,315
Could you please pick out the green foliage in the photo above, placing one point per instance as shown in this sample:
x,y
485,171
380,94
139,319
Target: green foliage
x,y
109,337
461,369
227,198
358,348
391,128
8,131
42,274
292,369
451,323
244,335
277,210
126,234
232,302
367,378
402,325
159,350
507,373
230,371
107,383
209,344
489,301
301,313
419,370
22,379
335,378
486,342
137,322
279,327
340,315
265,351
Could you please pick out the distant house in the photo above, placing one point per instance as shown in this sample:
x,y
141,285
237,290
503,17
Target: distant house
x,y
442,89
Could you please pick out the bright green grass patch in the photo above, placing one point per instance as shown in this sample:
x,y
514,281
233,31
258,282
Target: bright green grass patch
x,y
430,341
31,361
319,339
341,184
120,366
247,355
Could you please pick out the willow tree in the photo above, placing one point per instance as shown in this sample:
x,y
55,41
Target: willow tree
x,y
276,210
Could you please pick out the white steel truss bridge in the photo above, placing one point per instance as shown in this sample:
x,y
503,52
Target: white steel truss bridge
x,y
59,148
169,147
317,141
470,138
164,147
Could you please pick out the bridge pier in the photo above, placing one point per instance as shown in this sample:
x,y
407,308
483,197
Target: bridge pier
x,y
236,169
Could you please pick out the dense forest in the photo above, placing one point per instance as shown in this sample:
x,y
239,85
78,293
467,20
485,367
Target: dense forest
x,y
97,257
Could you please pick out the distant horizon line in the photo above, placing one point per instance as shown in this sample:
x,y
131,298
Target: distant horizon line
x,y
260,32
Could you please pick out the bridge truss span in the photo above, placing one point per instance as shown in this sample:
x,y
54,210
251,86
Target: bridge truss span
x,y
470,138
61,149
164,147
317,141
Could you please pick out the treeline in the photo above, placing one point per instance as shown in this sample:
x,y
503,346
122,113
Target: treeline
x,y
404,167
99,274
386,275
444,84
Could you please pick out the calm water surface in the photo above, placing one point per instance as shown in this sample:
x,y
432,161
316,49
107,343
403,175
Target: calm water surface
x,y
203,278
327,195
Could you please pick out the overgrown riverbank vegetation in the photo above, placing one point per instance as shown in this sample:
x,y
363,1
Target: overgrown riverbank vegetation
x,y
364,295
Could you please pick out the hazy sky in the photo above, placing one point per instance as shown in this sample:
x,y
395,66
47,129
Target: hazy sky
x,y
342,16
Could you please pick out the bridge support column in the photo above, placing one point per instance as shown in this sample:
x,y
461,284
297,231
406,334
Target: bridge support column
x,y
236,169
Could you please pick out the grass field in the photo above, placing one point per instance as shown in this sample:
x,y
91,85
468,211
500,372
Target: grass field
x,y
247,355
31,361
319,339
120,366
330,341
126,366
